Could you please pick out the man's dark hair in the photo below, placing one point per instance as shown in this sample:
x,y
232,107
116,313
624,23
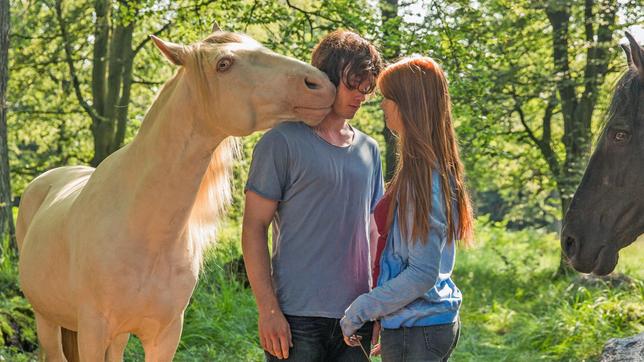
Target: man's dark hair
x,y
346,56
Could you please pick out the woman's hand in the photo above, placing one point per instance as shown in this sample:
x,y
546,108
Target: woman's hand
x,y
353,341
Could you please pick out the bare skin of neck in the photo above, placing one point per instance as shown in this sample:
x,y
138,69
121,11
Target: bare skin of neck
x,y
335,130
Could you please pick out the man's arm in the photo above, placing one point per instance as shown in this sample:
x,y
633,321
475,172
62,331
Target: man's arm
x,y
274,330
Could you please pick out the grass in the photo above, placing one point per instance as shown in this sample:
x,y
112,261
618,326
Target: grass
x,y
514,308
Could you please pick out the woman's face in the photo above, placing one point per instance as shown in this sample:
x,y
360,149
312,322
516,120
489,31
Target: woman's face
x,y
393,120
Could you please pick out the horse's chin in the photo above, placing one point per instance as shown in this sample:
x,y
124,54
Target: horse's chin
x,y
311,116
606,261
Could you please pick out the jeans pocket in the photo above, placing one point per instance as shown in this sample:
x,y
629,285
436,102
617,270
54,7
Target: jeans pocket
x,y
308,328
440,339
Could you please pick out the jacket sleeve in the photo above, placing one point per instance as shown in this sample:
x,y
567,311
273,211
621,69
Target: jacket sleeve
x,y
414,281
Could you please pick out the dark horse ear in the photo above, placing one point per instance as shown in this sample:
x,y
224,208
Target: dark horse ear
x,y
215,27
627,52
637,55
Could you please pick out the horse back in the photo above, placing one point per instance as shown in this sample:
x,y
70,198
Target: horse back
x,y
52,187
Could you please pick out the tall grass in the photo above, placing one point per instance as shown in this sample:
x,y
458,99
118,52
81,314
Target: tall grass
x,y
514,308
220,322
17,327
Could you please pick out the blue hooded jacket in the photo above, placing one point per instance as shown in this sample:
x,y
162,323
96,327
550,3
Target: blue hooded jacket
x,y
414,286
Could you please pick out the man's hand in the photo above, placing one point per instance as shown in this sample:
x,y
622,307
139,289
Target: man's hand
x,y
375,337
275,333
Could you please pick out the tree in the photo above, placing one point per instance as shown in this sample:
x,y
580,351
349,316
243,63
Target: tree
x,y
578,97
530,78
391,23
111,81
6,213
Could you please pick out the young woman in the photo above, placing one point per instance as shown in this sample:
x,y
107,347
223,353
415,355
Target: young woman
x,y
425,210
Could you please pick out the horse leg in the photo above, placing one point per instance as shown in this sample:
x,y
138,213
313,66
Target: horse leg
x,y
93,336
117,348
162,347
50,340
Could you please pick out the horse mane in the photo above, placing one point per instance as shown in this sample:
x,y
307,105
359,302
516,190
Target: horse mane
x,y
222,37
214,195
625,91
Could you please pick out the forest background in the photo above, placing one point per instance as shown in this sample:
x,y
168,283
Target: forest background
x,y
530,84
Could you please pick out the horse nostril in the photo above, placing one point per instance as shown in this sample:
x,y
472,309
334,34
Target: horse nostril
x,y
311,84
569,246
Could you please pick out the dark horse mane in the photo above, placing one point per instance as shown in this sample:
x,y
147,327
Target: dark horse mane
x,y
625,92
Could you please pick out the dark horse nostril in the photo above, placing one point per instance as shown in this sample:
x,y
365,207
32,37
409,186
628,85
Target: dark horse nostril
x,y
569,246
311,84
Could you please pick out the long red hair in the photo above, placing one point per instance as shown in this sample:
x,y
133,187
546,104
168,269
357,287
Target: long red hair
x,y
428,144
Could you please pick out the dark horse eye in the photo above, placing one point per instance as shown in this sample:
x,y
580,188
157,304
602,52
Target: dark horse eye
x,y
621,136
224,64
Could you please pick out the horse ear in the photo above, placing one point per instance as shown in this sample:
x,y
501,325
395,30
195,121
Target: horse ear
x,y
627,52
637,55
215,26
173,52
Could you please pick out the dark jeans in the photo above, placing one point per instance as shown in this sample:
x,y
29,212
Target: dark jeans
x,y
419,344
317,339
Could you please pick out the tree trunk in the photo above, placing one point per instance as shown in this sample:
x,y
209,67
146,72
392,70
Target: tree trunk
x,y
112,60
391,51
578,111
113,95
6,214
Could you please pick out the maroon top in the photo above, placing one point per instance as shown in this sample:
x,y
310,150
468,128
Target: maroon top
x,y
380,214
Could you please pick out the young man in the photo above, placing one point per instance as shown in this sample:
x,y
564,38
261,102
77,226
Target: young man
x,y
318,186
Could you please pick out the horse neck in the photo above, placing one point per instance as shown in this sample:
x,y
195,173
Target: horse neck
x,y
168,160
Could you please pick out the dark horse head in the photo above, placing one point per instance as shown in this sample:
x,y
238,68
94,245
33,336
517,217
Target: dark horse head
x,y
607,212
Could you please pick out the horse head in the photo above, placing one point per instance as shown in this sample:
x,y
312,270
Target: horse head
x,y
237,86
607,211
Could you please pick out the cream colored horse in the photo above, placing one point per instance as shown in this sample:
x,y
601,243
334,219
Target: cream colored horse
x,y
117,249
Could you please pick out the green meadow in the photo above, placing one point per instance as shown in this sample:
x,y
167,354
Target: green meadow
x,y
514,308
530,85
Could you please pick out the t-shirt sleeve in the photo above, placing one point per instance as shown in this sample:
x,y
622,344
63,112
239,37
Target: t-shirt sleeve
x,y
378,182
269,167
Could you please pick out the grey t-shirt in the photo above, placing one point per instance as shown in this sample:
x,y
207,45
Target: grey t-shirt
x,y
320,259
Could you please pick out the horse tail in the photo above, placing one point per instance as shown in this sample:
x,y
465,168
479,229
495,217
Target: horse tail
x,y
70,345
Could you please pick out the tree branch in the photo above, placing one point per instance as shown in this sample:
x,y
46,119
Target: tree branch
x,y
597,57
70,63
545,148
147,38
528,130
307,14
99,56
547,118
250,16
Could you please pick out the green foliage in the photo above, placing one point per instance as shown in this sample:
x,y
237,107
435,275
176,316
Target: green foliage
x,y
17,326
220,322
497,55
514,309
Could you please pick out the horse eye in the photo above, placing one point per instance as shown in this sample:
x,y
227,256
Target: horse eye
x,y
224,64
621,136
